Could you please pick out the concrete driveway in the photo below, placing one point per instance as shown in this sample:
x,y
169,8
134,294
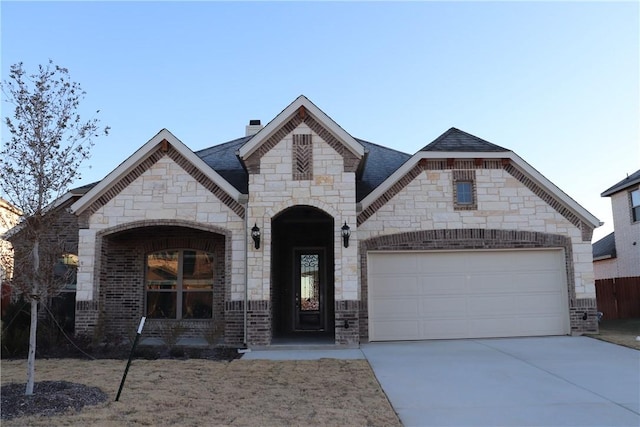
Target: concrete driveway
x,y
549,381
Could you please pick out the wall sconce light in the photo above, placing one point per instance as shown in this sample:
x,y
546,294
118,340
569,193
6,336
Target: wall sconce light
x,y
255,235
346,232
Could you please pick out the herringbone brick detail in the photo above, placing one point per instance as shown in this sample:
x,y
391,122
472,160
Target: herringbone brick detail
x,y
302,158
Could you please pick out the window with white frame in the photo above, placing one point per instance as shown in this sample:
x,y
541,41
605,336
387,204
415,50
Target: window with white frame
x,y
635,205
179,284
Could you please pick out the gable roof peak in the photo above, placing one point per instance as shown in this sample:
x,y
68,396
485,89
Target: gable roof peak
x,y
302,107
455,140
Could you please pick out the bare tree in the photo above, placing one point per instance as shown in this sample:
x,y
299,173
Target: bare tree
x,y
47,143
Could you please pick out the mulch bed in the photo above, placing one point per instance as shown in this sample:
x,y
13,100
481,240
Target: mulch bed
x,y
48,398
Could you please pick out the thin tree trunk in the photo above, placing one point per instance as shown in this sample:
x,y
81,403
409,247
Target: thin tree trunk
x,y
31,361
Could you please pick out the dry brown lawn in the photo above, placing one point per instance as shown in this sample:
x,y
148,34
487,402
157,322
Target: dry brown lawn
x,y
198,392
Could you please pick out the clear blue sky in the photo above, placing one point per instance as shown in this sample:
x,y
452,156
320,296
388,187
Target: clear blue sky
x,y
557,83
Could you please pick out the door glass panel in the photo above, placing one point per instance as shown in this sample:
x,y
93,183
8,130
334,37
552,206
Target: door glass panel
x,y
309,282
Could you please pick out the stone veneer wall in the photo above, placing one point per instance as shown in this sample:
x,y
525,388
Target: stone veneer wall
x,y
272,189
163,194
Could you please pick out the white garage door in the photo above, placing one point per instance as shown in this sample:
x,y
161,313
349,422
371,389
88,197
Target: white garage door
x,y
467,294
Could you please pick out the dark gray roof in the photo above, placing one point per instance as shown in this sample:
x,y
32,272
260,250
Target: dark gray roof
x,y
380,163
604,248
80,191
223,159
459,141
629,181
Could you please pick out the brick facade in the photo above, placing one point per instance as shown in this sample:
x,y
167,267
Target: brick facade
x,y
120,295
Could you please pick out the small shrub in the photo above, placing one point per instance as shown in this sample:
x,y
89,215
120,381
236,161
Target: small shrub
x,y
213,333
170,332
15,329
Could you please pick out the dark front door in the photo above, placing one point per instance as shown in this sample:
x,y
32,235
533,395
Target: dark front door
x,y
309,289
302,270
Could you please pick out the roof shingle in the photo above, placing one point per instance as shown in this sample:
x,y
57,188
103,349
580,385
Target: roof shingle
x,y
630,180
456,140
604,248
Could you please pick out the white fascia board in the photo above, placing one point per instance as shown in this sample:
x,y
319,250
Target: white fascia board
x,y
301,101
602,258
61,200
140,155
524,167
532,173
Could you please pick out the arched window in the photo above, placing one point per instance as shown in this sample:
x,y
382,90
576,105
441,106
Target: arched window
x,y
179,284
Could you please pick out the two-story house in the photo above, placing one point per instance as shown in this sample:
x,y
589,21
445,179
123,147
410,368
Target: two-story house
x,y
618,253
300,231
9,217
616,257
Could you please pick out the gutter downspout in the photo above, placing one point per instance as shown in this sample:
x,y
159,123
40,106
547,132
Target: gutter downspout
x,y
246,271
244,200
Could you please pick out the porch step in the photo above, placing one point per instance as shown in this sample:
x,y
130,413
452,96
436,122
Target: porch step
x,y
301,346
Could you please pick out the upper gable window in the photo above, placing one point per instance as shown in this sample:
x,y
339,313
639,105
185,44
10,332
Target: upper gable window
x,y
302,158
635,205
464,190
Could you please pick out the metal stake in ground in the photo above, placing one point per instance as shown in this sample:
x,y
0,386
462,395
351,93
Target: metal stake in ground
x,y
135,342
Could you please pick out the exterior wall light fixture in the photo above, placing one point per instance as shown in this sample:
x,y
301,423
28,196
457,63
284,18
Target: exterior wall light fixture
x,y
346,232
255,235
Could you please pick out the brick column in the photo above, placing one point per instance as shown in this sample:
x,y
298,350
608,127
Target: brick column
x,y
86,318
347,323
259,323
584,316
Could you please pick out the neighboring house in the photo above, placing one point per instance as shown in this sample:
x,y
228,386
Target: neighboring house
x,y
616,257
64,232
299,230
9,217
618,254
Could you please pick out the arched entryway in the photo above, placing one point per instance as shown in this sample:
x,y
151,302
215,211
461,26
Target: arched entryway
x,y
302,285
171,272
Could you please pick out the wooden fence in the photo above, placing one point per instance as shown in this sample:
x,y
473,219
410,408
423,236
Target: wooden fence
x,y
619,298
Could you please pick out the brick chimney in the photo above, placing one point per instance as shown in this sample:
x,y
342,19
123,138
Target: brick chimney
x,y
253,127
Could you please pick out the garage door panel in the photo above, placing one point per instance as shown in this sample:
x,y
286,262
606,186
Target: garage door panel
x,y
394,262
467,294
500,305
540,304
540,324
397,330
437,284
394,285
396,308
493,327
443,329
443,306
